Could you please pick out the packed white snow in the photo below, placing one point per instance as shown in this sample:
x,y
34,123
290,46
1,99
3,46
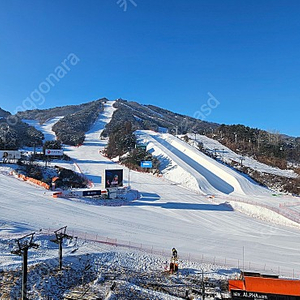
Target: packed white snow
x,y
46,127
191,207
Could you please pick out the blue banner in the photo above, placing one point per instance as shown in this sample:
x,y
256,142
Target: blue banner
x,y
146,164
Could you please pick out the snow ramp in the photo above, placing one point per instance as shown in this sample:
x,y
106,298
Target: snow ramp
x,y
211,176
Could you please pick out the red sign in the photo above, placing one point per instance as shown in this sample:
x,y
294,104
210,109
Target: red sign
x,y
54,152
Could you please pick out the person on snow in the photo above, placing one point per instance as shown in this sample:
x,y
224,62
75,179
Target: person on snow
x,y
174,262
174,253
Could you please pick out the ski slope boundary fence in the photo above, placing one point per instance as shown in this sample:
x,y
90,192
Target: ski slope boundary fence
x,y
234,263
90,183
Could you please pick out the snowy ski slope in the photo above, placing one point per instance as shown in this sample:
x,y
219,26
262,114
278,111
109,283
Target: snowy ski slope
x,y
46,127
167,214
211,176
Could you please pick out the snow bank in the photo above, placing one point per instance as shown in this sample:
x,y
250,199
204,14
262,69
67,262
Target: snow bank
x,y
200,171
263,213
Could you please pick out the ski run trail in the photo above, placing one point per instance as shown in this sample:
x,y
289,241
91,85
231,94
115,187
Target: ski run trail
x,y
208,211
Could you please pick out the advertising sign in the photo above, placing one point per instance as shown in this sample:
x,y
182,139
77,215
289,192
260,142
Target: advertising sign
x,y
146,164
92,193
244,295
113,178
10,154
54,152
141,146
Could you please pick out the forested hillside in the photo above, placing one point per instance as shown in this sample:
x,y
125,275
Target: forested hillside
x,y
14,135
271,148
71,129
43,115
77,119
4,113
154,118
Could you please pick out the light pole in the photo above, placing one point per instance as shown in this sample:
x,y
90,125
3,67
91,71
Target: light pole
x,y
241,159
203,286
235,137
129,178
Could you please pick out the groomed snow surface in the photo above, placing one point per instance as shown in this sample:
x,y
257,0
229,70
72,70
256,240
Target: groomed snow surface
x,y
213,215
46,127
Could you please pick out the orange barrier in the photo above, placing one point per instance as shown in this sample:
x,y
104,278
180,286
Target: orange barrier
x,y
236,285
35,181
23,177
57,195
266,285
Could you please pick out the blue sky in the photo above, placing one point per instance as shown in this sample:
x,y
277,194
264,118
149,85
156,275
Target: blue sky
x,y
161,52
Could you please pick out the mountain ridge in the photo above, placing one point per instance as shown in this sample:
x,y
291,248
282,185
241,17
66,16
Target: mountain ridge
x,y
77,119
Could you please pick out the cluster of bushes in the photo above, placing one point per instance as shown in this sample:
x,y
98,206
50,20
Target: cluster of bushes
x,y
133,160
280,183
52,145
71,129
36,172
66,178
69,179
122,143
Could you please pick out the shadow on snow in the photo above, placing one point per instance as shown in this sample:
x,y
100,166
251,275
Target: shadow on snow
x,y
187,206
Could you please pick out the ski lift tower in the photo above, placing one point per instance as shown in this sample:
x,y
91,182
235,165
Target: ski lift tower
x,y
60,235
24,244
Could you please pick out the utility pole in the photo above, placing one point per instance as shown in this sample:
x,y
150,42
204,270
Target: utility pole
x,y
34,150
24,244
129,150
203,286
60,235
129,178
243,260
